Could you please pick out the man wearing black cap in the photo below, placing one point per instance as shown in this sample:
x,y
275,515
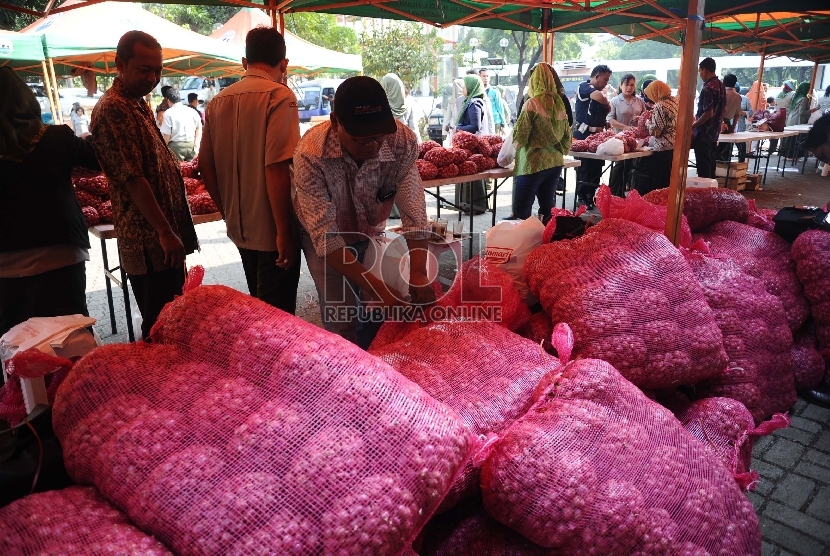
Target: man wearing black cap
x,y
348,173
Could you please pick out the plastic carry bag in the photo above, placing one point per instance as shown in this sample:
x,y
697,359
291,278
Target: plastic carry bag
x,y
611,147
508,244
507,153
388,259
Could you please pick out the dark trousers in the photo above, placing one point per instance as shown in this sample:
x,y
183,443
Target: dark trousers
x,y
724,151
704,157
540,185
616,180
268,282
588,176
153,291
50,294
657,170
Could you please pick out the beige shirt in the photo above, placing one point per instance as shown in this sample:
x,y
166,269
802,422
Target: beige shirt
x,y
732,110
248,126
181,123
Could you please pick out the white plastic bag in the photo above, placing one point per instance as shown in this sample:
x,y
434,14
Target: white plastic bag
x,y
508,243
507,154
611,147
388,259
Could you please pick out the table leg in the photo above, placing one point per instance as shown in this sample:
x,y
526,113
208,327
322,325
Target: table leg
x,y
438,200
126,288
728,166
109,285
472,211
564,187
496,196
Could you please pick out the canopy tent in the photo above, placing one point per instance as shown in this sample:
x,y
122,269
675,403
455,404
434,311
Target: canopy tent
x,y
303,57
87,38
19,50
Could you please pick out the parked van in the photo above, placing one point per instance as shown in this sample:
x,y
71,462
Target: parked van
x,y
200,86
315,97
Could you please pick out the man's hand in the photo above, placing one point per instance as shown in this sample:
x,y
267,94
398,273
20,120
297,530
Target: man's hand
x,y
287,249
421,290
173,249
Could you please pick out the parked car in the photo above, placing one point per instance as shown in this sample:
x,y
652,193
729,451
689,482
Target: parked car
x,y
200,86
66,102
315,97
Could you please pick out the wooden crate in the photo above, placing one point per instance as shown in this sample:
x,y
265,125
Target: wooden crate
x,y
753,182
735,184
736,169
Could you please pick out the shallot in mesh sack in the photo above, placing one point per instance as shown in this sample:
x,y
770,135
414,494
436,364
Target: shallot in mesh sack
x,y
808,363
635,209
764,255
467,530
726,427
483,371
632,300
705,206
595,467
811,252
756,337
76,520
760,218
242,429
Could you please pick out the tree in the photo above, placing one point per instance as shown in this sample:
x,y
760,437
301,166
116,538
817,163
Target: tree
x,y
568,46
15,21
323,30
200,19
404,48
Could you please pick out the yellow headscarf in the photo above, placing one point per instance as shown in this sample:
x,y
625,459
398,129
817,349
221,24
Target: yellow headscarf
x,y
657,91
543,87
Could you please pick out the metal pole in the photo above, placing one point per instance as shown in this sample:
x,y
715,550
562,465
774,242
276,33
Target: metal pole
x,y
761,78
685,117
813,80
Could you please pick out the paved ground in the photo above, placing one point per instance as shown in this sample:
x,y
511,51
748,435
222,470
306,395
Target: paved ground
x,y
793,496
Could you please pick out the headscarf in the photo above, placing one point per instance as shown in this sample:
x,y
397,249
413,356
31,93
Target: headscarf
x,y
543,87
393,86
757,98
643,87
475,88
20,124
801,92
657,91
789,86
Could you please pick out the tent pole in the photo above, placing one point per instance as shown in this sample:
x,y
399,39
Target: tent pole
x,y
282,22
685,117
57,95
761,78
48,87
552,47
813,80
272,11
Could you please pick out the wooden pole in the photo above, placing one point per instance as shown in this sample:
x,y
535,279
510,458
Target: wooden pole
x,y
685,117
48,88
282,22
761,79
551,45
272,9
57,95
813,82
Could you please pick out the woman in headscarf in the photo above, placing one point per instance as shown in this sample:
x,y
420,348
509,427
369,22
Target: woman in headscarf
x,y
757,97
43,234
787,91
471,113
401,109
798,111
542,138
662,127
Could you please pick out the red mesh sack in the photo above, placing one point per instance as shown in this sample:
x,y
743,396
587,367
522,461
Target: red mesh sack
x,y
726,427
492,139
187,170
81,172
478,159
597,139
448,171
193,186
630,298
465,140
811,252
91,216
201,203
760,218
459,155
705,206
808,363
76,520
579,146
636,209
467,168
595,467
97,185
87,199
483,371
468,531
244,430
640,122
755,335
425,147
489,163
427,170
538,329
105,212
764,255
440,157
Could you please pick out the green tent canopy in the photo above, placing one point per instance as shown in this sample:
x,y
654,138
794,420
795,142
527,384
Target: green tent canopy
x,y
21,51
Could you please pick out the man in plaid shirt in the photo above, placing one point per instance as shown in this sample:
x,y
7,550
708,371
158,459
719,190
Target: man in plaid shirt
x,y
348,172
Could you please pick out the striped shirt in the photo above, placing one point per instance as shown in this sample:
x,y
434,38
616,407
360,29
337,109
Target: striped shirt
x,y
336,201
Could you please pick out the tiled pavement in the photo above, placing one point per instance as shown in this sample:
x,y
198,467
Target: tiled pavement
x,y
793,496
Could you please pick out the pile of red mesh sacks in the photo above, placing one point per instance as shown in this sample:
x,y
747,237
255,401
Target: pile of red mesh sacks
x,y
595,467
632,300
470,154
483,371
244,430
811,252
76,520
706,206
764,255
756,337
636,209
726,427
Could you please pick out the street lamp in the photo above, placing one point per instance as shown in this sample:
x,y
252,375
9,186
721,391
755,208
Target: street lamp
x,y
503,44
473,45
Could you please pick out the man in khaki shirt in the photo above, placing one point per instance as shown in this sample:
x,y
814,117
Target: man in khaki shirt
x,y
251,130
731,113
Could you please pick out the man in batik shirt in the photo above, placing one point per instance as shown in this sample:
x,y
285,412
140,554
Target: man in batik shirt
x,y
149,207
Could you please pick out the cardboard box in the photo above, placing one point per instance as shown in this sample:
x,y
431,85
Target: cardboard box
x,y
736,169
735,184
753,182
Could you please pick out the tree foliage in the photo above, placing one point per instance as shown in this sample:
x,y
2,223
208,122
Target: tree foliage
x,y
15,21
200,19
322,30
404,48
